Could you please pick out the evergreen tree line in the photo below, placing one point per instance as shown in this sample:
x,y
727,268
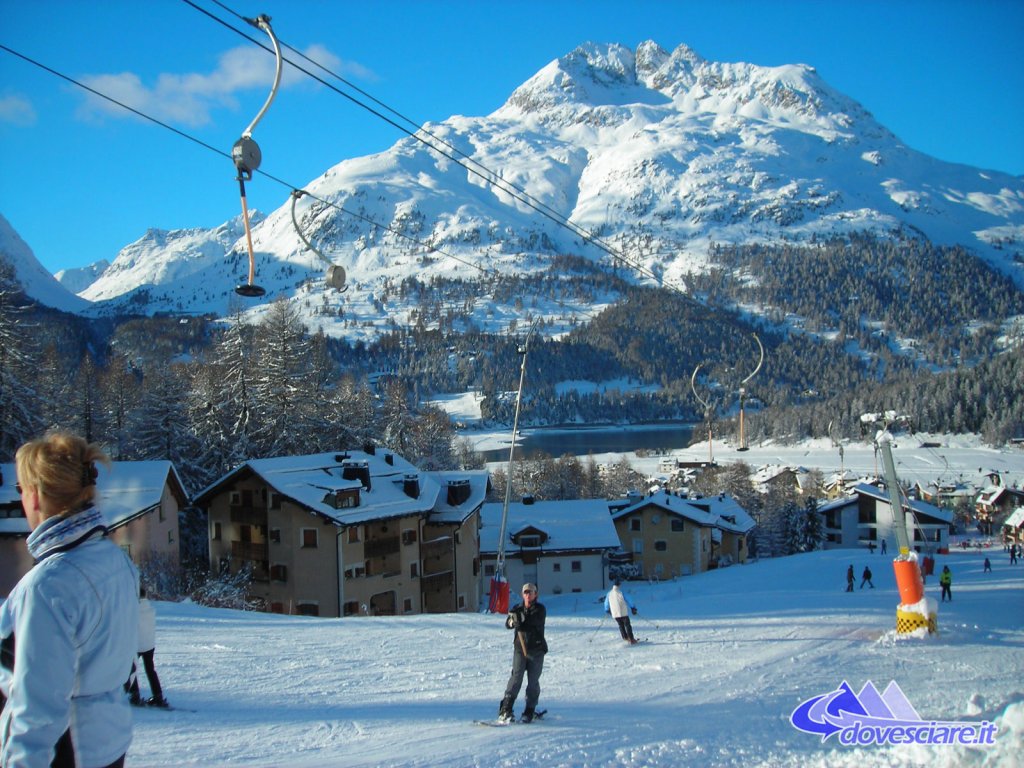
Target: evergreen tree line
x,y
252,391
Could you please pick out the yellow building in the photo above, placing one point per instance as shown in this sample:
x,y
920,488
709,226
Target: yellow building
x,y
666,535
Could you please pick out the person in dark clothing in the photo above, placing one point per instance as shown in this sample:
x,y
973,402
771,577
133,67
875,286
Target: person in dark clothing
x,y
147,648
529,646
988,566
866,577
849,579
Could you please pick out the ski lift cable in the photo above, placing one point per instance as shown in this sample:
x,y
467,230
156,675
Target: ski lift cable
x,y
490,177
417,127
574,311
112,100
223,154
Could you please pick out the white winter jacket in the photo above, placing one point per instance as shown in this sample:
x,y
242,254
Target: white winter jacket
x,y
617,603
68,631
147,625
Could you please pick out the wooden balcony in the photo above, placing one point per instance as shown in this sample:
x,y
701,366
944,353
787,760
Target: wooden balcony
x,y
245,550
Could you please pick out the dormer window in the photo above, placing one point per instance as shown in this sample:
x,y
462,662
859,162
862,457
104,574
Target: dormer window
x,y
344,498
530,538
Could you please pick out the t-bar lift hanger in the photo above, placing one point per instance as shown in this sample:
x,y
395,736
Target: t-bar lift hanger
x,y
246,155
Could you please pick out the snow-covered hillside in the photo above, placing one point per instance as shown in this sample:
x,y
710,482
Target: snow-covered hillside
x,y
30,275
658,154
728,656
78,280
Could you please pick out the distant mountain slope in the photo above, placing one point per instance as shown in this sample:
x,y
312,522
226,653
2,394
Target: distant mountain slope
x,y
34,280
77,280
660,154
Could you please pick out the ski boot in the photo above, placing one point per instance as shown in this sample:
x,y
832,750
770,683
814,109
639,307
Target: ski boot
x,y
505,714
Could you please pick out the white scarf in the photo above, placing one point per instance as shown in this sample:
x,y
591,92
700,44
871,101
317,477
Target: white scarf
x,y
59,534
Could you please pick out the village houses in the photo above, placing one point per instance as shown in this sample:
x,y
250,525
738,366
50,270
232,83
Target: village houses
x,y
139,501
667,535
349,533
561,546
865,519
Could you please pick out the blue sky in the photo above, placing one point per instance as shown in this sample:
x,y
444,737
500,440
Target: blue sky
x,y
81,181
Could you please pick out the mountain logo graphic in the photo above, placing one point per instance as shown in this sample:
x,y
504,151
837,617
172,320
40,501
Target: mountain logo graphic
x,y
870,717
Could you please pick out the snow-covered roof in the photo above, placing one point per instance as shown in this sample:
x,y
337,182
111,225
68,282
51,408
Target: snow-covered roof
x,y
312,480
572,524
673,505
1016,518
730,515
456,513
920,507
842,501
123,492
990,495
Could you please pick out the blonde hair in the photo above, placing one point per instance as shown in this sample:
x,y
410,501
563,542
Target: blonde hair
x,y
62,468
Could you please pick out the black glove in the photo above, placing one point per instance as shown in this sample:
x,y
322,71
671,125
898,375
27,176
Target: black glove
x,y
634,611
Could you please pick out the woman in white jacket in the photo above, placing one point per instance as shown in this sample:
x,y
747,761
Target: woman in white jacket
x,y
619,606
67,630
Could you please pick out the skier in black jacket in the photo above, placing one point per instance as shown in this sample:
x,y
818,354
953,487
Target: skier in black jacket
x,y
529,647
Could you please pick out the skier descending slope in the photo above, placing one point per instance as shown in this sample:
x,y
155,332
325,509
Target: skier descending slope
x,y
529,646
619,606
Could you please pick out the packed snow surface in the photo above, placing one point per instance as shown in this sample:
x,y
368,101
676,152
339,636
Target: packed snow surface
x,y
728,656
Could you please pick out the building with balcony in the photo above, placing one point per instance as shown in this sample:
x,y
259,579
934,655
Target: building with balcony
x,y
865,519
349,533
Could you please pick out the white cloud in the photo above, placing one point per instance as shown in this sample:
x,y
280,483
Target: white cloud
x,y
188,99
17,110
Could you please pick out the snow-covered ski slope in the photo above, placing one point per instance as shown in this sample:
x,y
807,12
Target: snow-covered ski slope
x,y
731,654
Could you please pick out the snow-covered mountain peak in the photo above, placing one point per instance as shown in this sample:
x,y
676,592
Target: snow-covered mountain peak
x,y
659,154
595,81
169,257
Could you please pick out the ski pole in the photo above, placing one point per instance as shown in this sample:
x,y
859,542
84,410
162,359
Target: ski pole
x,y
637,615
593,634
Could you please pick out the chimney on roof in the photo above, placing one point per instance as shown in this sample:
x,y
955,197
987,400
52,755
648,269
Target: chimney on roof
x,y
411,486
458,491
389,459
369,449
527,500
357,470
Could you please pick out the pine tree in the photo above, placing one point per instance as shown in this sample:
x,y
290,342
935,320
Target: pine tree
x,y
19,403
813,532
282,350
